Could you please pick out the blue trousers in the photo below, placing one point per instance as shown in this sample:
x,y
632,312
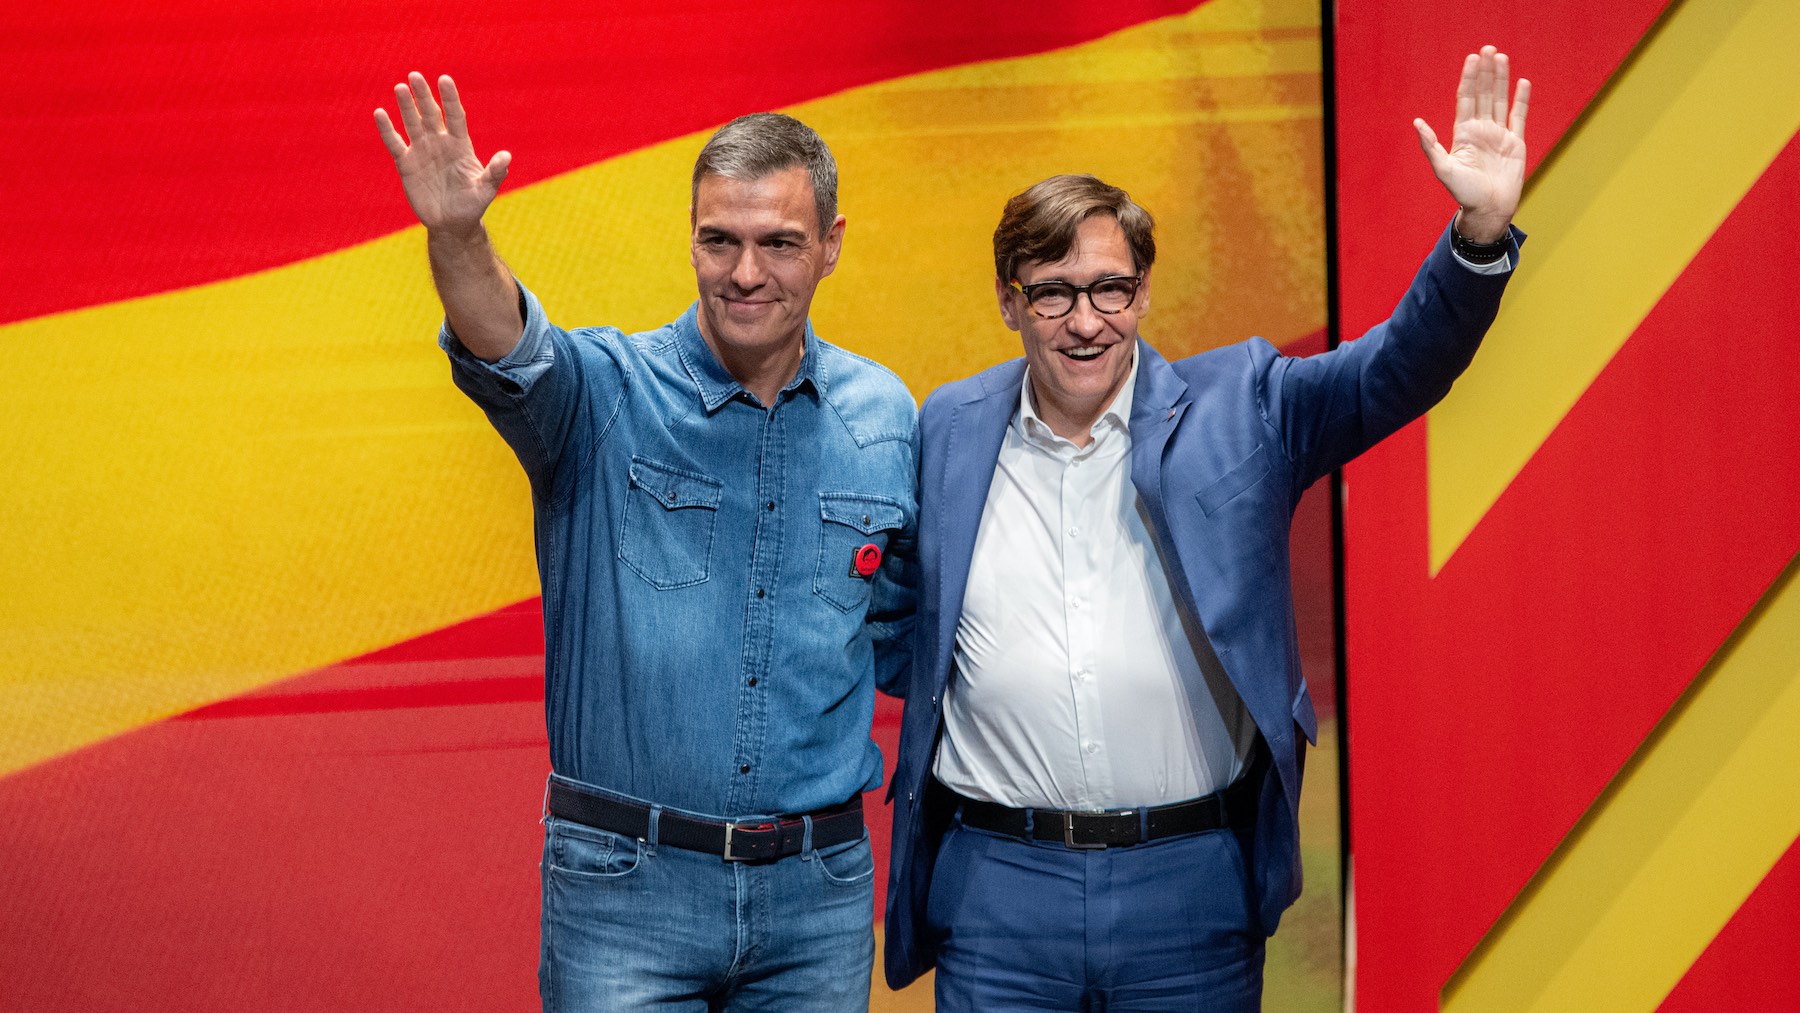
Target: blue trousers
x,y
1031,925
633,925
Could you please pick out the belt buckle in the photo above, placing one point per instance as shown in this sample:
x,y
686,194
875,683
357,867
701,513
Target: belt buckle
x,y
731,828
1069,834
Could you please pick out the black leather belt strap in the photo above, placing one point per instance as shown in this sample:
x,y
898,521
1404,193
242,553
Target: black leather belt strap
x,y
1234,807
733,842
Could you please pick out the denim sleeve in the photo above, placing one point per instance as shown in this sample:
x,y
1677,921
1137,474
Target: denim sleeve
x,y
893,598
552,385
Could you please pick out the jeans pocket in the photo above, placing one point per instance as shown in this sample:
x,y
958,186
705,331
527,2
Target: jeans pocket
x,y
582,852
849,864
670,514
849,522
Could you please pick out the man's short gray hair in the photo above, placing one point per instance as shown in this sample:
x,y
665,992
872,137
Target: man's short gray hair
x,y
751,147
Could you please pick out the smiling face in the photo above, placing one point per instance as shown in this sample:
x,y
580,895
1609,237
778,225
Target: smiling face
x,y
1079,361
758,257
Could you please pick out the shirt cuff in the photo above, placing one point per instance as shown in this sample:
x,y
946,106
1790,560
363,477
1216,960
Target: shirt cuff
x,y
518,369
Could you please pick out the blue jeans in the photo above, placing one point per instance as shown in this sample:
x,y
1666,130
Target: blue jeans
x,y
630,925
1031,925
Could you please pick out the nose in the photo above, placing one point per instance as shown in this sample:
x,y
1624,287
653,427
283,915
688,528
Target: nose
x,y
1084,320
748,274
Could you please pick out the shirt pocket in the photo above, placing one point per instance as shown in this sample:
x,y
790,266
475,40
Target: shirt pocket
x,y
848,521
670,514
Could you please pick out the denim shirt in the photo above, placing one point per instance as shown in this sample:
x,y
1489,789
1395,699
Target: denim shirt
x,y
709,645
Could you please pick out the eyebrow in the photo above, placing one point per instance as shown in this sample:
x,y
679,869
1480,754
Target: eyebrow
x,y
791,234
1065,280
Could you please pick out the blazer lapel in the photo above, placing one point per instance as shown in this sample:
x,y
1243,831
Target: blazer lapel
x,y
1157,405
970,455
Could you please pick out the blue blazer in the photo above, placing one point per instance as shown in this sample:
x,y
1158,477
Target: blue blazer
x,y
1223,444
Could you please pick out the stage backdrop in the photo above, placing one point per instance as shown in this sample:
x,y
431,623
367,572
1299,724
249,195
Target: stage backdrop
x,y
1572,614
272,733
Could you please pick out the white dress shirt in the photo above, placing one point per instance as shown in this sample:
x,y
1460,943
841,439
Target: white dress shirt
x,y
1078,685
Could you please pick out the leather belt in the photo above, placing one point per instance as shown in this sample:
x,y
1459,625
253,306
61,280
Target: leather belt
x,y
749,841
1233,807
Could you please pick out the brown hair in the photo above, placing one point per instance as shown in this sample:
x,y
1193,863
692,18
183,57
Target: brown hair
x,y
1040,224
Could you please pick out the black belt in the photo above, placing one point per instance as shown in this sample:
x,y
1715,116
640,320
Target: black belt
x,y
754,841
1111,828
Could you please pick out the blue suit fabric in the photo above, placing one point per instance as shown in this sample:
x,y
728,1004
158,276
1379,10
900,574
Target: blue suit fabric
x,y
1223,445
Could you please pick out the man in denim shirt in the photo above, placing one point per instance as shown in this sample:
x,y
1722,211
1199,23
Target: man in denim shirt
x,y
724,510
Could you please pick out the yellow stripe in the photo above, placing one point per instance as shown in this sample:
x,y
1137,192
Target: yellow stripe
x,y
1627,201
1671,850
214,488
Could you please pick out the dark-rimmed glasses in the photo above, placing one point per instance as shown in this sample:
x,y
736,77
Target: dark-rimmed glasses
x,y
1052,299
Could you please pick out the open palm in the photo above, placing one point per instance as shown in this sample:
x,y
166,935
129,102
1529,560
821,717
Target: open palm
x,y
1484,168
447,186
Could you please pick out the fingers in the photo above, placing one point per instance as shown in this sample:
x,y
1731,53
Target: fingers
x,y
409,111
495,173
1521,101
1502,67
429,112
455,120
1465,89
390,137
1428,142
1484,84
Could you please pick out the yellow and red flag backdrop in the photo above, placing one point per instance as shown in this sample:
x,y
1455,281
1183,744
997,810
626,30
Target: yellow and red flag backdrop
x,y
272,733
1572,617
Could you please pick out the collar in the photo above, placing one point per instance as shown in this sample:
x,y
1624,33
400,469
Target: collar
x,y
1116,416
714,384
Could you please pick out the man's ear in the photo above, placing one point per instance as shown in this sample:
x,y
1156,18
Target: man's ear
x,y
1003,291
1143,296
693,252
834,245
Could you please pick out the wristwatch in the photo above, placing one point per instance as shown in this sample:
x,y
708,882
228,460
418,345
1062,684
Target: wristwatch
x,y
1477,253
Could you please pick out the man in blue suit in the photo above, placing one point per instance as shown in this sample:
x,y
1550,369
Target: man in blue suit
x,y
1099,771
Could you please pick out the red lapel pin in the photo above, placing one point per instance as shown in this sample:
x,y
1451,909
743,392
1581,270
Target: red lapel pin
x,y
866,561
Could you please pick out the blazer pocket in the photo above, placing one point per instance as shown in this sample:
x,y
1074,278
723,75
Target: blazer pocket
x,y
1228,486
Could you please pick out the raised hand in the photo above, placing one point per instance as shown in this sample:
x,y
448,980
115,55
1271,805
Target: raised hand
x,y
447,186
1485,166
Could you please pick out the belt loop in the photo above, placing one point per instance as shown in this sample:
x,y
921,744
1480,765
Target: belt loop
x,y
654,830
544,806
1030,821
806,845
1143,815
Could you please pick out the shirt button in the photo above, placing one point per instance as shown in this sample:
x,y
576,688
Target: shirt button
x,y
750,681
745,769
1093,747
1082,674
770,505
1076,602
1074,532
671,495
865,520
760,592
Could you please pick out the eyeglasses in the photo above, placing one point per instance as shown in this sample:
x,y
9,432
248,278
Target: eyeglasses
x,y
1052,299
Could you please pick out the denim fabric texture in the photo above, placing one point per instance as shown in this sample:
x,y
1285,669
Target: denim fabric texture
x,y
709,645
629,924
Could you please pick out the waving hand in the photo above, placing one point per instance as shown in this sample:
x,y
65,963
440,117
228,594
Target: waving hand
x,y
445,183
1484,168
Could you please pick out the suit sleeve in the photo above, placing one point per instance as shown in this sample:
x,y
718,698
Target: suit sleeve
x,y
894,598
1328,408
